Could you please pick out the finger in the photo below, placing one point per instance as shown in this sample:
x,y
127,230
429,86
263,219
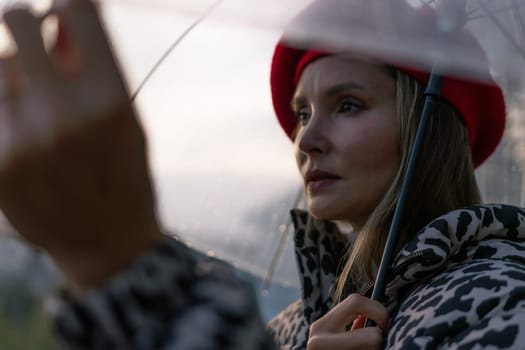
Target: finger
x,y
65,53
100,74
349,309
81,21
9,72
365,338
8,97
26,31
13,84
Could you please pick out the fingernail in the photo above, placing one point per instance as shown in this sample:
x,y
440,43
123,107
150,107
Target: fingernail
x,y
359,322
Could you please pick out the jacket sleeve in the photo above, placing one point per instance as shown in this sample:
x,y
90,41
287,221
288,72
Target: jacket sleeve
x,y
166,300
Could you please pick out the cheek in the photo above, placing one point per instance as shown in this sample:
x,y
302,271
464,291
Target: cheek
x,y
372,148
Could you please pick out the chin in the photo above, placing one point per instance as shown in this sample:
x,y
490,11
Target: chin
x,y
331,210
325,212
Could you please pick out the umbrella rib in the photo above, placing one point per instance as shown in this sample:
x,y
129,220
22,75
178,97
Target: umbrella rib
x,y
280,249
517,18
504,9
473,10
170,49
427,2
503,30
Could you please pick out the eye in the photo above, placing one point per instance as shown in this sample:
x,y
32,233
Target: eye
x,y
350,105
302,115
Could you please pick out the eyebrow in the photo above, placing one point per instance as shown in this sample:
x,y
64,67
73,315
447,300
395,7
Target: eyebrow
x,y
334,90
337,89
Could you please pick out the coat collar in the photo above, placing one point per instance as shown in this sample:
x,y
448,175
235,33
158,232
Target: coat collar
x,y
451,238
321,251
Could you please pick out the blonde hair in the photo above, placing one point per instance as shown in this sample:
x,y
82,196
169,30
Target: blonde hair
x,y
444,180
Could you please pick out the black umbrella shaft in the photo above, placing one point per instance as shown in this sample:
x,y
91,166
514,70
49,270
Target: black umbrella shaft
x,y
432,92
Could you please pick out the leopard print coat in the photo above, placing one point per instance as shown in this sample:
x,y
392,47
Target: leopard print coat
x,y
459,284
169,299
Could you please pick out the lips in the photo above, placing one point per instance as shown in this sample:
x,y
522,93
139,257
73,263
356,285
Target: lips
x,y
317,179
318,175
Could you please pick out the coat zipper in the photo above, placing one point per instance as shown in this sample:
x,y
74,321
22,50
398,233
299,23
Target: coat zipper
x,y
420,255
366,290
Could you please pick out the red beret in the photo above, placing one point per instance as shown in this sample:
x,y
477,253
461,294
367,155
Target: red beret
x,y
480,104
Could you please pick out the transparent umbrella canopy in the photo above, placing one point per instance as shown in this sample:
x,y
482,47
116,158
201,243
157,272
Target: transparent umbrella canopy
x,y
224,171
217,146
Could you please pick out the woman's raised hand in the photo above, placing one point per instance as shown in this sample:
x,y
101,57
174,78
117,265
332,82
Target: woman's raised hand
x,y
339,328
74,177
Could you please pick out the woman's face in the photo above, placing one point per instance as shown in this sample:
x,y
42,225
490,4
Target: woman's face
x,y
347,144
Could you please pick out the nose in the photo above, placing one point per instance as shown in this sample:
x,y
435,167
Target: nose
x,y
313,137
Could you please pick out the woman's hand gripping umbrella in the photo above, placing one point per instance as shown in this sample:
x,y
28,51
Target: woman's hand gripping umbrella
x,y
342,327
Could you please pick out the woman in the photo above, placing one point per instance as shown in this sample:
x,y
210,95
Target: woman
x,y
457,280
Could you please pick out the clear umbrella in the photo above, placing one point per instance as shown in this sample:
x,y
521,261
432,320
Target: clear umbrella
x,y
499,26
223,169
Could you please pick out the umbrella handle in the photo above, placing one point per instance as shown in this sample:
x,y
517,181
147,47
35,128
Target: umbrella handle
x,y
451,16
432,92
